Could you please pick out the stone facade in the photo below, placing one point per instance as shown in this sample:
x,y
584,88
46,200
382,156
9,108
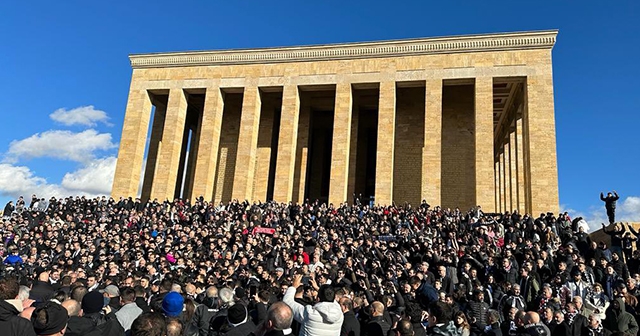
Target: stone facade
x,y
456,121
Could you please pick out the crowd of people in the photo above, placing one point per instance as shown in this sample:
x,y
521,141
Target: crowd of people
x,y
104,266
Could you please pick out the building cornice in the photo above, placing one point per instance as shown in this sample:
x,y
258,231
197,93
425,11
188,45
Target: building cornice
x,y
344,51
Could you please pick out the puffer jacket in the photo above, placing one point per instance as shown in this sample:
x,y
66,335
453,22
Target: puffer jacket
x,y
321,319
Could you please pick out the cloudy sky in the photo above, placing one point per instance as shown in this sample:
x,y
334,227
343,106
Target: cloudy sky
x,y
64,77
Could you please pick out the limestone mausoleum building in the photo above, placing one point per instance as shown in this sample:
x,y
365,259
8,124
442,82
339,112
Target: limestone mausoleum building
x,y
457,121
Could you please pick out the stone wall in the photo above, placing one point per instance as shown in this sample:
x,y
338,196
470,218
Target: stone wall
x,y
228,147
409,143
458,153
263,157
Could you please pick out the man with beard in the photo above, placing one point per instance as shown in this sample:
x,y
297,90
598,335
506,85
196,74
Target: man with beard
x,y
618,319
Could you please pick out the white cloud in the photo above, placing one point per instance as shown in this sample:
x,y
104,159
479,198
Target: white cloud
x,y
83,115
65,145
627,210
20,180
630,208
94,178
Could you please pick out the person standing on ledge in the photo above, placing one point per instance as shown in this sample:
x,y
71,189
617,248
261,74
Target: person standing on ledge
x,y
610,205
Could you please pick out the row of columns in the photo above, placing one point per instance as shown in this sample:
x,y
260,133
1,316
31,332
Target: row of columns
x,y
510,183
491,180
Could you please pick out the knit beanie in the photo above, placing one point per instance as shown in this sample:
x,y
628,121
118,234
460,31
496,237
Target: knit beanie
x,y
92,302
237,314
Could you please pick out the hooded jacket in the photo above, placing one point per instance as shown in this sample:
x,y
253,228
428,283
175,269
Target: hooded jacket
x,y
11,324
321,319
619,320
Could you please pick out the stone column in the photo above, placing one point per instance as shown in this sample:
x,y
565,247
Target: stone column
x,y
513,173
131,153
155,141
247,143
287,141
264,150
540,142
507,175
503,197
484,143
166,176
353,151
432,150
208,144
522,207
302,150
385,146
341,143
497,189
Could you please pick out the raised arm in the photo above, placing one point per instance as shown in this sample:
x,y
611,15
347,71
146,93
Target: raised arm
x,y
632,230
289,299
601,196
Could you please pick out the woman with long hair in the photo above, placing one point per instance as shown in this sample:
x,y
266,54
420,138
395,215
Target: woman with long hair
x,y
461,322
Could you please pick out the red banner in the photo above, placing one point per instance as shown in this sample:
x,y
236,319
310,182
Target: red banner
x,y
263,230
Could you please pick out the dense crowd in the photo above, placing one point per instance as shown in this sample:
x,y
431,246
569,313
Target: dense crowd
x,y
80,266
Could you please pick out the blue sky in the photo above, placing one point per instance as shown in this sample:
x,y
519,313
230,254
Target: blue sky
x,y
64,76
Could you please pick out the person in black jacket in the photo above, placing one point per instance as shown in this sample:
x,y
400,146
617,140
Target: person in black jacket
x,y
350,324
96,318
574,320
238,321
610,205
377,326
595,327
50,319
415,314
11,324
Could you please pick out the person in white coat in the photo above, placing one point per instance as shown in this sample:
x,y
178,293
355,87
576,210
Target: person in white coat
x,y
321,319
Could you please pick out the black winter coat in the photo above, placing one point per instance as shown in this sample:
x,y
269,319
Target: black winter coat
x,y
609,202
11,324
350,325
377,327
242,330
579,322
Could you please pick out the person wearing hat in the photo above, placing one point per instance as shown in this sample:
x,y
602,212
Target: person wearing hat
x,y
172,304
95,315
50,319
112,295
238,321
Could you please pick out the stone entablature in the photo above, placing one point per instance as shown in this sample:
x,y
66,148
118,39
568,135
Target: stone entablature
x,y
344,51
